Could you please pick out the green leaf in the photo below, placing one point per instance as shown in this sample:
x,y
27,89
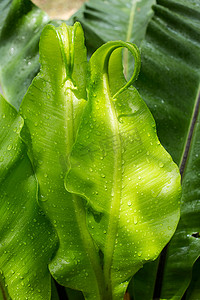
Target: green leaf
x,y
146,276
104,21
52,109
21,23
186,242
193,291
74,295
119,166
54,292
112,20
171,50
3,290
27,240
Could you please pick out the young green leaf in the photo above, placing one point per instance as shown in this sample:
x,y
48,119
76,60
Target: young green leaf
x,y
111,20
27,239
118,165
52,110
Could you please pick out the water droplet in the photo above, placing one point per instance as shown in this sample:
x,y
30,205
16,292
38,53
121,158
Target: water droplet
x,y
12,50
139,254
154,193
135,220
3,116
161,165
9,147
45,175
129,203
103,175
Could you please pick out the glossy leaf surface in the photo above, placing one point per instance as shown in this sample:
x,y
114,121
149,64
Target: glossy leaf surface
x,y
129,181
186,242
52,110
193,291
27,241
21,23
104,21
112,20
171,50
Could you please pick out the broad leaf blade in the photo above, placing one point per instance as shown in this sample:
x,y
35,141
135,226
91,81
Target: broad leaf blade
x,y
111,20
186,242
167,53
148,274
21,27
52,109
119,166
25,249
114,20
193,291
171,50
21,24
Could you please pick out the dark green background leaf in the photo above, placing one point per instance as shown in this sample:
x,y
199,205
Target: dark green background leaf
x,y
21,23
169,83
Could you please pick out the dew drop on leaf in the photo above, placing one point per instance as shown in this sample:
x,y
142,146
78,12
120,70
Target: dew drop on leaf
x,y
154,193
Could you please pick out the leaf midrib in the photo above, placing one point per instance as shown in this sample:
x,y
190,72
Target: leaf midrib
x,y
115,195
190,133
88,243
79,209
128,35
